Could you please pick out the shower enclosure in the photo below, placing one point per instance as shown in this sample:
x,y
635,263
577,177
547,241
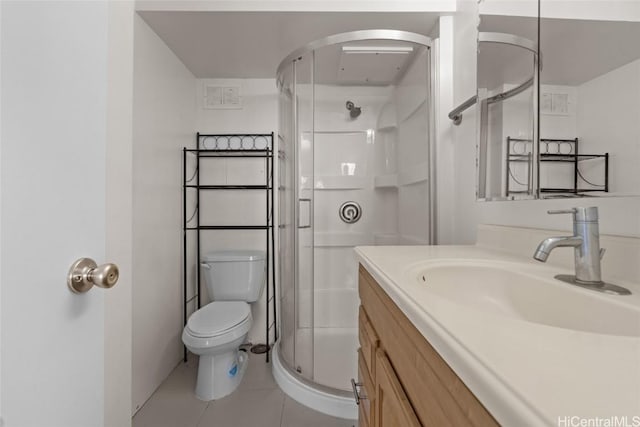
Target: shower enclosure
x,y
354,150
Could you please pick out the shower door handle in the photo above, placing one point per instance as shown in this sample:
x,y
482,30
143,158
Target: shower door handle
x,y
308,225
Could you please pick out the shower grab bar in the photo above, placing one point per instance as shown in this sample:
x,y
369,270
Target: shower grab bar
x,y
309,210
502,38
456,113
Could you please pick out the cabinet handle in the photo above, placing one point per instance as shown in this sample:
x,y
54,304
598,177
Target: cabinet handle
x,y
356,395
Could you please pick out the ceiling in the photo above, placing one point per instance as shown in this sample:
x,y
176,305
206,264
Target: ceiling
x,y
573,51
252,44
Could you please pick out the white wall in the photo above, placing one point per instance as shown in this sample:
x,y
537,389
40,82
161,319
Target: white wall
x,y
164,121
298,5
463,185
614,99
258,114
443,103
617,215
1,420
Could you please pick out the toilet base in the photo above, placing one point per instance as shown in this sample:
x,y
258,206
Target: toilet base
x,y
219,375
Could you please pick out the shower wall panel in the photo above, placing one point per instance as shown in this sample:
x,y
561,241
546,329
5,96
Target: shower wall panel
x,y
344,171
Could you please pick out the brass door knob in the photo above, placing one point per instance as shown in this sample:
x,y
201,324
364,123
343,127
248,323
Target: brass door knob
x,y
85,273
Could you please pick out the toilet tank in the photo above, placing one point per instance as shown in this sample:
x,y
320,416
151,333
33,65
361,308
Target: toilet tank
x,y
237,275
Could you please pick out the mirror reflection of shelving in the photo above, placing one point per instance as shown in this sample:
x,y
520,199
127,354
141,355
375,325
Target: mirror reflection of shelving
x,y
564,171
518,178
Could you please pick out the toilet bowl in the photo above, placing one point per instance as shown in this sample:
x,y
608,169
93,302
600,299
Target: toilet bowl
x,y
216,331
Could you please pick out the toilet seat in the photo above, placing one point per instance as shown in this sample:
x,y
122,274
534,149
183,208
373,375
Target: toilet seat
x,y
218,318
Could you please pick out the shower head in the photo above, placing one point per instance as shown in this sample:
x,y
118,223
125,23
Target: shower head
x,y
354,111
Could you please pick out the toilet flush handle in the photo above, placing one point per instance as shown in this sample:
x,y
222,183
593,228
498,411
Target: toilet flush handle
x,y
85,273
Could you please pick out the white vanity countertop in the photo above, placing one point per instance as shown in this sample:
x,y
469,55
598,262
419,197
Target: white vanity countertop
x,y
525,374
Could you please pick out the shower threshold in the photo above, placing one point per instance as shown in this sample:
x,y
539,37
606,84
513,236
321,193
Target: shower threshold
x,y
336,403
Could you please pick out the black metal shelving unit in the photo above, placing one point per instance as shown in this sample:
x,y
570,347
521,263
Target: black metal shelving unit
x,y
229,146
572,157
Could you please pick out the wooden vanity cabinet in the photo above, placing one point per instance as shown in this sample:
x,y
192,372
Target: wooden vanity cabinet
x,y
405,382
392,405
369,343
367,393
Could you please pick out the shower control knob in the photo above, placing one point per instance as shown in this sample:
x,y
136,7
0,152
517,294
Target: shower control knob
x,y
85,273
350,212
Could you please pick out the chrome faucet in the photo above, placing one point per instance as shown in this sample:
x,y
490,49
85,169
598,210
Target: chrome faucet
x,y
586,244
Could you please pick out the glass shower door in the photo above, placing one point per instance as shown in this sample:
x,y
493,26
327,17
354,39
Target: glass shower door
x,y
355,131
295,222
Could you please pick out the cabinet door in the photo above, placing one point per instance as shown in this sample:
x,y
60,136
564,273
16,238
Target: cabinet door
x,y
369,342
392,407
367,394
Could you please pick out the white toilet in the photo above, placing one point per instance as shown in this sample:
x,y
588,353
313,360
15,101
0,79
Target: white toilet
x,y
216,331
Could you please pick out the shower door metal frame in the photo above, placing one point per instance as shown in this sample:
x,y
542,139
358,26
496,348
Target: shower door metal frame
x,y
297,224
292,60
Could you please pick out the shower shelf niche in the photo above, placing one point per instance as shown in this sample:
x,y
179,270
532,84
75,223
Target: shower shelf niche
x,y
341,182
387,118
386,181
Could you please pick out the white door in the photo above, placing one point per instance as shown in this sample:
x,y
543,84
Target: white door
x,y
58,366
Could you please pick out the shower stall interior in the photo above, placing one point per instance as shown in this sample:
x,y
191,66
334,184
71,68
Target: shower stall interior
x,y
354,169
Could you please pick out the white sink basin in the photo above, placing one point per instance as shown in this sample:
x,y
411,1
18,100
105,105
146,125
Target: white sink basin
x,y
529,293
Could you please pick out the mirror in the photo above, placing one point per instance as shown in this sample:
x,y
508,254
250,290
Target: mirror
x,y
589,102
506,102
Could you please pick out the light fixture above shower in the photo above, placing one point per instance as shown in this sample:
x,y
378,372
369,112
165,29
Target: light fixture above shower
x,y
372,64
376,50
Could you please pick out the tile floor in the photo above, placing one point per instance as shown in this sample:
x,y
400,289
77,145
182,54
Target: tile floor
x,y
258,402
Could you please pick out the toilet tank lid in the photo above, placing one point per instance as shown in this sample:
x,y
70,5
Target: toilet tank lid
x,y
234,255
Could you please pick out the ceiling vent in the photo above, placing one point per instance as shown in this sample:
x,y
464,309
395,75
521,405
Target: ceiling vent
x,y
222,97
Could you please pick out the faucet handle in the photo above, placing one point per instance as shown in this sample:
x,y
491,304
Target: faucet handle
x,y
562,211
580,214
